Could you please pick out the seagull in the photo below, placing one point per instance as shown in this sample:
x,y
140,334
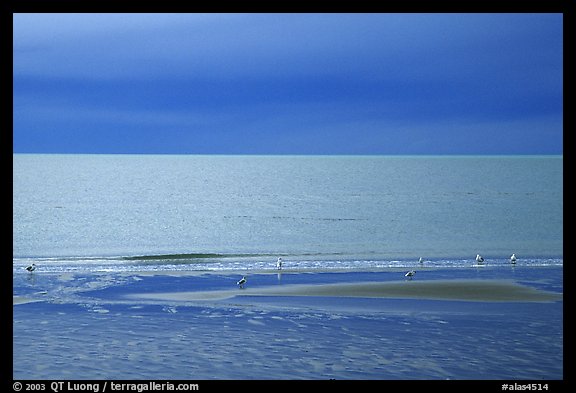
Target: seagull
x,y
31,268
410,274
279,264
513,258
479,259
242,282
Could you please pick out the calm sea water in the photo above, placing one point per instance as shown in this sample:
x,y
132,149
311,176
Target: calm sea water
x,y
325,211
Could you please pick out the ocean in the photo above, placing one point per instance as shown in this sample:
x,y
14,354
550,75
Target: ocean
x,y
314,211
138,257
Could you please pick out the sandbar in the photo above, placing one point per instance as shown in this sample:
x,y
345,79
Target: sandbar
x,y
463,290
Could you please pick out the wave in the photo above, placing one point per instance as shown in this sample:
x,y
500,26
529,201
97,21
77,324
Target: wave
x,y
188,256
245,262
202,256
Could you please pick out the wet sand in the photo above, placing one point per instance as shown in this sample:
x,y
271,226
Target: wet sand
x,y
441,325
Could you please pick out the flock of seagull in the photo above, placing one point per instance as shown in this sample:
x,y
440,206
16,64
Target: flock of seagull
x,y
479,261
409,275
242,281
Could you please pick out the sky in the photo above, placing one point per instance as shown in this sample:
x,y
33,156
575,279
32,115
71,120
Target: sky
x,y
305,83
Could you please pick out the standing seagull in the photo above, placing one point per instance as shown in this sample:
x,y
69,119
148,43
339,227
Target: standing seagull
x,y
410,274
31,268
479,259
513,258
279,264
242,282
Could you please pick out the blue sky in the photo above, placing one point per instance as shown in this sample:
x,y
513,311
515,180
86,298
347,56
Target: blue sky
x,y
288,83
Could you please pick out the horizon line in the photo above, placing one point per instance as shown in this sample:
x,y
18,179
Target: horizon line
x,y
303,154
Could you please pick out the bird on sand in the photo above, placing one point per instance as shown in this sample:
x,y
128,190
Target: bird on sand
x,y
241,282
513,258
479,259
410,274
279,264
31,268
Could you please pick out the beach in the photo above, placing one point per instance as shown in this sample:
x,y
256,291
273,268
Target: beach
x,y
491,323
